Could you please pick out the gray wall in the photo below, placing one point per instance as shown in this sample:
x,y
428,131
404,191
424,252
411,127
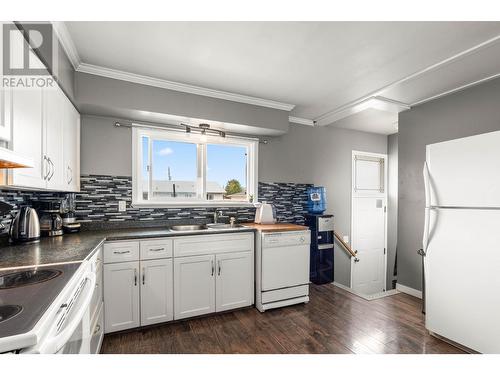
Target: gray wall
x,y
392,206
103,96
64,74
469,112
322,156
104,148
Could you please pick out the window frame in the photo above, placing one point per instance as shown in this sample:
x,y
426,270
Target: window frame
x,y
138,132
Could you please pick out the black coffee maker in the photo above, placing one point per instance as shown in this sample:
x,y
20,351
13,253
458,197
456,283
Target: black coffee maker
x,y
51,223
70,225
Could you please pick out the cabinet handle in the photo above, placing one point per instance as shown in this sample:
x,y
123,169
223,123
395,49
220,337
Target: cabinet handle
x,y
218,266
143,276
47,167
121,252
70,175
52,167
135,276
213,268
157,249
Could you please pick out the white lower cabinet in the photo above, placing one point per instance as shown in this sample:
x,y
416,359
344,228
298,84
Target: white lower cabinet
x,y
220,278
158,280
121,296
194,286
234,283
156,291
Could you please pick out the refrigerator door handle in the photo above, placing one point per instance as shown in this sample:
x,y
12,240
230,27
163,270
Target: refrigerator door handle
x,y
427,185
425,237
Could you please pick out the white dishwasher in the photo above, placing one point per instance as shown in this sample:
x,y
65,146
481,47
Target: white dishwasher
x,y
282,268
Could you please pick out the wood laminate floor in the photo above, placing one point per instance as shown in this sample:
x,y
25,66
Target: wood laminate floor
x,y
334,321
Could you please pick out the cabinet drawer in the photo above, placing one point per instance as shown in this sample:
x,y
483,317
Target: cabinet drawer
x,y
123,251
156,249
213,244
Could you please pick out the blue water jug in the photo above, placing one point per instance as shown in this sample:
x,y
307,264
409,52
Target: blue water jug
x,y
316,200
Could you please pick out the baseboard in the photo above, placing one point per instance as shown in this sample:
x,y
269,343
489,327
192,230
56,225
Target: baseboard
x,y
407,290
367,296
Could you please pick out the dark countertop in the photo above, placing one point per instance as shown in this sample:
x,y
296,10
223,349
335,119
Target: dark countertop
x,y
77,247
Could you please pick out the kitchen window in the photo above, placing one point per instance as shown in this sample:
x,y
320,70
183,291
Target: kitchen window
x,y
177,169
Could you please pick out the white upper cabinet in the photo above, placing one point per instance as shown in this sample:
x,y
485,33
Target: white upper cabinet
x,y
5,113
5,109
71,147
53,115
41,123
27,137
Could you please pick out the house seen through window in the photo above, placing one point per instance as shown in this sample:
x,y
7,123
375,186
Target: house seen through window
x,y
177,167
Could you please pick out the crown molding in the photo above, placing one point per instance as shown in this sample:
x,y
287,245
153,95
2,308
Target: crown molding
x,y
66,41
327,117
182,87
67,44
376,102
456,89
300,120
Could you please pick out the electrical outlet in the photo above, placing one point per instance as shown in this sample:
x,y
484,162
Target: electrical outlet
x,y
346,239
122,206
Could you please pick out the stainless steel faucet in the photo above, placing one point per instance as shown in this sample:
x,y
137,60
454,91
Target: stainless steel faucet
x,y
217,214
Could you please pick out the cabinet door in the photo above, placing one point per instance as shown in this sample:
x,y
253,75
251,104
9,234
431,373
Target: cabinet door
x,y
121,296
27,137
194,286
71,146
53,131
234,284
157,291
5,113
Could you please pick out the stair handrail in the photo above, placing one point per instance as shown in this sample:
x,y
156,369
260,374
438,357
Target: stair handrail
x,y
348,249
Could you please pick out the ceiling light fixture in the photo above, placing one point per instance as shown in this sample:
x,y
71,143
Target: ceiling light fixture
x,y
204,130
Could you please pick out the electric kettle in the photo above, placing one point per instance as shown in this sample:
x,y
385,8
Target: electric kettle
x,y
25,227
265,214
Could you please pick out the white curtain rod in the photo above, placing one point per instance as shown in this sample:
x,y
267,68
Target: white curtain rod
x,y
181,128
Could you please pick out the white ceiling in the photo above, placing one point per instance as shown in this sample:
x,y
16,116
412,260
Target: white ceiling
x,y
385,122
320,67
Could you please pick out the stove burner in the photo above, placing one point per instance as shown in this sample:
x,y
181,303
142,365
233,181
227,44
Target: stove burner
x,y
9,311
28,277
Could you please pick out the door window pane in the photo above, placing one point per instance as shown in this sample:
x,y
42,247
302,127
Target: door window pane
x,y
174,170
226,172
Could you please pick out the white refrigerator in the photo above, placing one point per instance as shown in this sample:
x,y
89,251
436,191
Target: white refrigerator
x,y
461,241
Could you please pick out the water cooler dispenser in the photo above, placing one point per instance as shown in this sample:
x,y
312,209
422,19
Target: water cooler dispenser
x,y
321,263
322,238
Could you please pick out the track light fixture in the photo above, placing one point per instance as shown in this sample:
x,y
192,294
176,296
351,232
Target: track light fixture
x,y
204,130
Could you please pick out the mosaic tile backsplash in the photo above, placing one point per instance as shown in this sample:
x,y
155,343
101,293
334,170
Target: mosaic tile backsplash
x,y
97,204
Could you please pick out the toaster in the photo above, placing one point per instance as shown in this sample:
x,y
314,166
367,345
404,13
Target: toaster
x,y
265,214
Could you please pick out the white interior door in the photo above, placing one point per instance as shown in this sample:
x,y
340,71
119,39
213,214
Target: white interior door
x,y
368,226
462,277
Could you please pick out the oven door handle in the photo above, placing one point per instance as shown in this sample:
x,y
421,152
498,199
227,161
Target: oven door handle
x,y
54,344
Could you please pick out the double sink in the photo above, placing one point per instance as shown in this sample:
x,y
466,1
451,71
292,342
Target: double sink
x,y
198,227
